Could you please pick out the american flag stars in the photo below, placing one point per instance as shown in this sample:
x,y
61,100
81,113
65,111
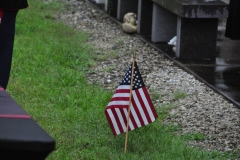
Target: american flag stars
x,y
137,79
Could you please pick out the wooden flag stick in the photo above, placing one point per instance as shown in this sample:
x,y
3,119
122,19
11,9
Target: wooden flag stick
x,y
129,105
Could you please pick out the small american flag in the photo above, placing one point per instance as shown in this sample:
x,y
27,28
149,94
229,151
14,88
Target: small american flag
x,y
142,110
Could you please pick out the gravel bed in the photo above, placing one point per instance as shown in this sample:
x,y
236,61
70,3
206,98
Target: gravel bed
x,y
201,111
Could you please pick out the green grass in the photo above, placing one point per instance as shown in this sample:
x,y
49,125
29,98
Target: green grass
x,y
178,94
195,136
48,81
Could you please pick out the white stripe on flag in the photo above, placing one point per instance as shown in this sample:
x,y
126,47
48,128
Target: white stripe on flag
x,y
121,95
136,99
123,87
120,119
113,121
150,112
122,103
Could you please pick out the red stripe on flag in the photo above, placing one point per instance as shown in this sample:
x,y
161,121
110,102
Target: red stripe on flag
x,y
124,117
122,91
1,14
110,123
117,120
150,102
120,99
117,106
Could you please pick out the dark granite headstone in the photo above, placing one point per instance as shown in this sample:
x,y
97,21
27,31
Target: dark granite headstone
x,y
197,38
145,9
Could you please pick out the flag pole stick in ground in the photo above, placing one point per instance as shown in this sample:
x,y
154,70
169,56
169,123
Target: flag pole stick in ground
x,y
130,99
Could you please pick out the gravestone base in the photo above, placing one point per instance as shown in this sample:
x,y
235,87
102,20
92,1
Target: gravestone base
x,y
196,38
145,9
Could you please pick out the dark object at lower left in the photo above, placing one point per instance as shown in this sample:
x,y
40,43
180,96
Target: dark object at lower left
x,y
20,136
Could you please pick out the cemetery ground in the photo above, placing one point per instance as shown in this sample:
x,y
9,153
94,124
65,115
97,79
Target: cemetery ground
x,y
48,80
